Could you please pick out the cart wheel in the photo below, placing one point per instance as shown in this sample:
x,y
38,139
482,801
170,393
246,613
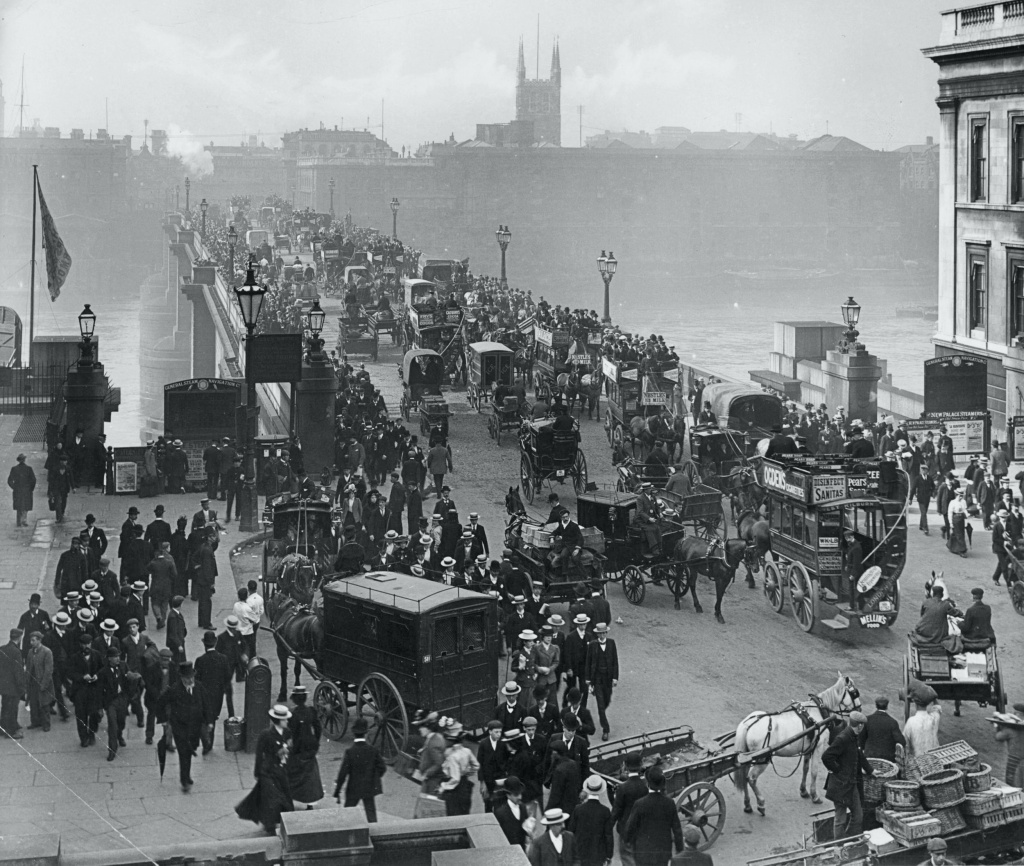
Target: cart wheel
x,y
526,479
380,704
331,709
801,595
616,434
890,620
579,473
633,585
1017,597
712,526
702,806
677,578
773,590
609,424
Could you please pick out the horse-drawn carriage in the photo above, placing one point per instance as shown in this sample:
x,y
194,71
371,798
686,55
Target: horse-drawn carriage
x,y
631,392
422,374
356,336
745,415
303,544
814,507
488,365
384,320
392,643
433,324
974,677
550,455
705,549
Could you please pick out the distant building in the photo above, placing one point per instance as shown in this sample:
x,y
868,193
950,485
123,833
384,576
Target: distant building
x,y
540,100
980,56
682,138
670,136
919,169
641,139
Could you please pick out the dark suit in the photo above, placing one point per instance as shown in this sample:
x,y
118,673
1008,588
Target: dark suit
x,y
510,825
87,697
591,826
176,632
157,532
59,645
652,829
205,579
510,717
480,536
214,671
579,751
97,542
549,722
116,691
977,624
602,671
999,539
574,659
187,715
363,768
586,719
566,785
692,857
846,767
626,795
72,572
492,757
543,853
881,735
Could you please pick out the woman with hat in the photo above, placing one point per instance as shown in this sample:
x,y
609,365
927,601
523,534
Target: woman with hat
x,y
554,847
1009,729
303,769
957,514
271,795
546,657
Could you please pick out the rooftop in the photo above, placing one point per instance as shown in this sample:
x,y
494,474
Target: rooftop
x,y
990,24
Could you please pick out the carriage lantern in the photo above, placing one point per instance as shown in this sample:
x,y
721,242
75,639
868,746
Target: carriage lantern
x,y
851,316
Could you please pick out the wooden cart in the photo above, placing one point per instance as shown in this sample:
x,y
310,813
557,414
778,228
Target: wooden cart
x,y
933,665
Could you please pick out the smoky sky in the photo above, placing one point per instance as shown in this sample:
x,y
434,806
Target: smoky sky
x,y
220,71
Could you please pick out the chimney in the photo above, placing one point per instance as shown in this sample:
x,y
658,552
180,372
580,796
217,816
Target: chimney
x,y
929,141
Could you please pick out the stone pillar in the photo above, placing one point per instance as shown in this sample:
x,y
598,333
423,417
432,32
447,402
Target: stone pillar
x,y
84,392
951,321
851,381
314,411
204,334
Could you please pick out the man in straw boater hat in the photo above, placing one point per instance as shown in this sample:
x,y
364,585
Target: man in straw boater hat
x,y
591,825
555,846
508,712
270,796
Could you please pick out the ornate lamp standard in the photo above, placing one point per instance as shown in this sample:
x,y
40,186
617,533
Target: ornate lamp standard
x,y
314,319
851,315
394,216
86,327
188,186
250,301
331,185
607,264
202,207
504,236
232,240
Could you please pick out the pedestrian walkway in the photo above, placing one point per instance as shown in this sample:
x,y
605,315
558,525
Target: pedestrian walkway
x,y
48,783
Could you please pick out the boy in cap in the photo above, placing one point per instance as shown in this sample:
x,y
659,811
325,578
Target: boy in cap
x,y
691,854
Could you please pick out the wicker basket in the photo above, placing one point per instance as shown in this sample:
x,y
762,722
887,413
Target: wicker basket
x,y
957,752
917,768
942,789
874,786
981,803
902,796
986,821
950,819
977,780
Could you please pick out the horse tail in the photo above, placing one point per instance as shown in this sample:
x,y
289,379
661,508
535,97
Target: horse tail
x,y
740,774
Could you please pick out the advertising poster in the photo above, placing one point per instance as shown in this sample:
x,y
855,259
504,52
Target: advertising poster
x,y
968,430
126,477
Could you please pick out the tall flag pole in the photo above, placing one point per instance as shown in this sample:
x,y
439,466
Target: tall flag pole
x,y
32,291
58,259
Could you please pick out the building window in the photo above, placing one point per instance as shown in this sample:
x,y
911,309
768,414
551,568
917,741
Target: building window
x,y
979,159
1016,160
1015,272
977,289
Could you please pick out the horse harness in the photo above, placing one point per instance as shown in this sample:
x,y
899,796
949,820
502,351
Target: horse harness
x,y
812,728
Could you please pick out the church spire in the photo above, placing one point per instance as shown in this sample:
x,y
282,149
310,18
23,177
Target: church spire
x,y
521,68
556,64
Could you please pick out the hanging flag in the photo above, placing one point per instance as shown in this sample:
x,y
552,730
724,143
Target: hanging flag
x,y
58,260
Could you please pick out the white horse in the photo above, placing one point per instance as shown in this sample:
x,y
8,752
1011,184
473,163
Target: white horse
x,y
762,730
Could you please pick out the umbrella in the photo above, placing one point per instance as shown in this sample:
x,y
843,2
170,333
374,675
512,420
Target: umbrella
x,y
161,754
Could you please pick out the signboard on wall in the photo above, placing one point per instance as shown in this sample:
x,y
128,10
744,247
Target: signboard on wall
x,y
1017,437
969,431
955,383
128,469
201,408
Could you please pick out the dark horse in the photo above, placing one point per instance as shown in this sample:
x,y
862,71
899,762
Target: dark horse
x,y
298,632
753,529
716,559
744,493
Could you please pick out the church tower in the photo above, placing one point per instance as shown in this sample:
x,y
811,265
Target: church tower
x,y
540,100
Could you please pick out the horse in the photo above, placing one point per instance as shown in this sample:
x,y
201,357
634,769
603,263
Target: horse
x,y
761,730
716,559
745,494
297,578
753,529
298,632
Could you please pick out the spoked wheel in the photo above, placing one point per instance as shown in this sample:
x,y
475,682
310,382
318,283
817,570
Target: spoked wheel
x,y
616,434
677,578
579,473
702,806
773,587
712,525
801,595
1017,596
633,586
526,478
381,705
609,423
331,709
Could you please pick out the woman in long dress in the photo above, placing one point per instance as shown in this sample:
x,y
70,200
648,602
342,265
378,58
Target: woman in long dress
x,y
303,767
957,513
271,795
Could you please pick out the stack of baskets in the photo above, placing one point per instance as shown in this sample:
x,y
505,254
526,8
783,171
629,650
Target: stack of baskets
x,y
941,793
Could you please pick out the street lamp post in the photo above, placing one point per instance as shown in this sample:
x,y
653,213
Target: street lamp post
x,y
232,240
607,264
851,316
202,207
293,196
504,236
331,185
188,187
177,197
250,301
86,327
314,319
394,216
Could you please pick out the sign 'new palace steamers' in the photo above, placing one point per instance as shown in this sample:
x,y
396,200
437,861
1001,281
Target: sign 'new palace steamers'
x,y
818,482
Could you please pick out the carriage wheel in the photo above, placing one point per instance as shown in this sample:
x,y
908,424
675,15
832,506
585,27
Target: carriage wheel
x,y
579,473
609,423
890,620
713,525
331,709
616,434
380,704
1017,597
633,586
773,587
801,595
526,478
677,578
702,806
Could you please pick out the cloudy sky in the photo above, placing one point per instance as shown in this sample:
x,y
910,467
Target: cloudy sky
x,y
222,70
